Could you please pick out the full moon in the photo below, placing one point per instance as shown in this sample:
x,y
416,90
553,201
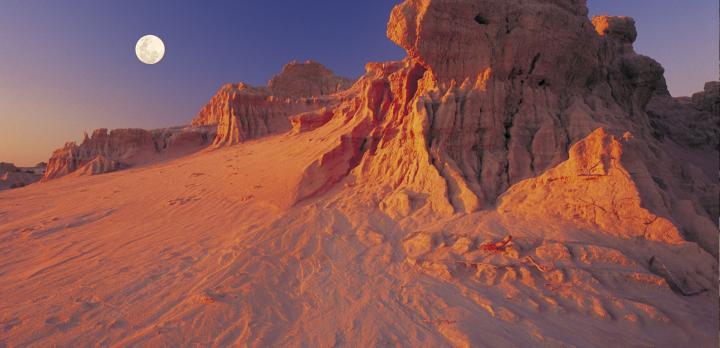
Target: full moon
x,y
150,49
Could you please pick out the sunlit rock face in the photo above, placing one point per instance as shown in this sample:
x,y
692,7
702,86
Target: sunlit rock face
x,y
105,151
243,112
306,80
594,185
98,165
496,92
517,82
517,40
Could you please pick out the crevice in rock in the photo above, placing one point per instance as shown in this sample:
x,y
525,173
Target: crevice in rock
x,y
417,73
481,20
535,59
514,72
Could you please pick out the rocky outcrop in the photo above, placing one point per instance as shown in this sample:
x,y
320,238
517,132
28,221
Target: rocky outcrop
x,y
592,186
709,99
306,80
245,113
516,83
242,112
8,167
12,176
98,165
236,113
689,122
495,92
106,151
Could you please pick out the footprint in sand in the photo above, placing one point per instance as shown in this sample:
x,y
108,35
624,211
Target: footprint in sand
x,y
183,200
247,198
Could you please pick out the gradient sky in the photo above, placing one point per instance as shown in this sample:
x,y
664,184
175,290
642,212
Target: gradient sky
x,y
69,66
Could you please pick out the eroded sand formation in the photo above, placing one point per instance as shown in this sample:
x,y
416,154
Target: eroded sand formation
x,y
236,113
107,151
242,112
13,177
522,178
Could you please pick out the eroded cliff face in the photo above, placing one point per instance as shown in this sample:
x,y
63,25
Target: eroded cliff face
x,y
493,93
709,98
242,112
106,151
592,186
684,122
236,113
13,177
517,83
305,80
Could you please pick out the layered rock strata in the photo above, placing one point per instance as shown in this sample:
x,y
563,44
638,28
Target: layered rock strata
x,y
12,176
105,151
243,112
493,93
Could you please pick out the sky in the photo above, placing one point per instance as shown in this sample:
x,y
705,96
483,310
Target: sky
x,y
69,67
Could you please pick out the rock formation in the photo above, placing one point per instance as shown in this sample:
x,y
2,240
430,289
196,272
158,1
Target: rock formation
x,y
306,80
493,93
8,167
508,108
237,112
592,186
105,151
688,122
244,112
14,177
709,99
98,165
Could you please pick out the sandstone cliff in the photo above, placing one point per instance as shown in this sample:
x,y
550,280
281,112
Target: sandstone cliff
x,y
689,122
242,112
105,151
14,177
708,99
493,93
306,80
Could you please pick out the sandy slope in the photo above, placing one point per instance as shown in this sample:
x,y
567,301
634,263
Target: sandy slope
x,y
203,250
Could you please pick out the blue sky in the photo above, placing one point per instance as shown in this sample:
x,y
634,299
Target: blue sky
x,y
68,67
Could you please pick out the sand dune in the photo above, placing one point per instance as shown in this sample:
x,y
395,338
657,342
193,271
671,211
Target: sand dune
x,y
127,258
